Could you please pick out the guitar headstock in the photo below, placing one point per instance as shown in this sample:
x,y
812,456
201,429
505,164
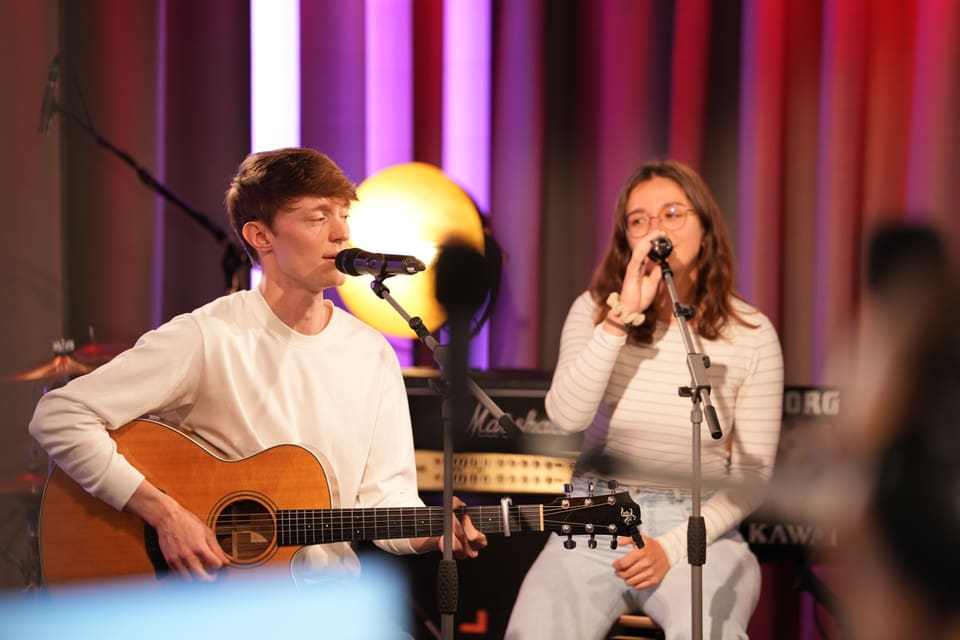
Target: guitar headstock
x,y
613,514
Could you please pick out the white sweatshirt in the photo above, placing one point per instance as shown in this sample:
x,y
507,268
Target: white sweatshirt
x,y
244,381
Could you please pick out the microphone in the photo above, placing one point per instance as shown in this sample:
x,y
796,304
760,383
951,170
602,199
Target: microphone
x,y
660,248
356,262
49,106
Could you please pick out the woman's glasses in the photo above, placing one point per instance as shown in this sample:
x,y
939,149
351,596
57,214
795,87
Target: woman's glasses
x,y
671,218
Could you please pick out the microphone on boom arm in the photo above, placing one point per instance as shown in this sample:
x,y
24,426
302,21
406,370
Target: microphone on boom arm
x,y
356,262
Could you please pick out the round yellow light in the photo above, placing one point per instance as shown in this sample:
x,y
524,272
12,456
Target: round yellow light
x,y
407,209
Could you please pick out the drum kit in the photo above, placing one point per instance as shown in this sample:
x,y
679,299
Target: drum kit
x,y
26,486
68,361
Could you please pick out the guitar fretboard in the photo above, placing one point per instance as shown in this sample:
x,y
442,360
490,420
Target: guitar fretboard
x,y
319,526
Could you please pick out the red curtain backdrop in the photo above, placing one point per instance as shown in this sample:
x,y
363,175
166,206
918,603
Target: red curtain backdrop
x,y
812,120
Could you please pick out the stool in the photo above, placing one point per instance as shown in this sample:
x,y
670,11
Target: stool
x,y
634,625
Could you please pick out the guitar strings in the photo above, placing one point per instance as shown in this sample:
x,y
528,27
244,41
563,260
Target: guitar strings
x,y
346,519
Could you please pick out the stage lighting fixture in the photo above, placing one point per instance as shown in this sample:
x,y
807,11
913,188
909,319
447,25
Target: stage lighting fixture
x,y
408,209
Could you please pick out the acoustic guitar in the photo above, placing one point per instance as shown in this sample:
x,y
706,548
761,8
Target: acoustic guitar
x,y
263,508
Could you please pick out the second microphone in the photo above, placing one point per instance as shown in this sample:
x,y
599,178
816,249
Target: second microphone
x,y
356,262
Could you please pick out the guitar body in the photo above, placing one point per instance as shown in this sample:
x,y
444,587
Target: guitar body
x,y
83,539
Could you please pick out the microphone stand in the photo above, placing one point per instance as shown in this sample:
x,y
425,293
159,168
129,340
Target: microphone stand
x,y
235,262
699,394
454,383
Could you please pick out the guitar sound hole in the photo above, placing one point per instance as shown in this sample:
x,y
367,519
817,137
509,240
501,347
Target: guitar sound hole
x,y
245,530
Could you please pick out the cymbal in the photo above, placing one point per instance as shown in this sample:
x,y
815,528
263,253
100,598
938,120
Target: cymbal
x,y
97,353
24,483
62,366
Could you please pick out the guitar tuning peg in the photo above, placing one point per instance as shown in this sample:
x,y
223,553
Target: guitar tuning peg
x,y
612,485
568,489
637,538
592,542
569,543
590,488
613,543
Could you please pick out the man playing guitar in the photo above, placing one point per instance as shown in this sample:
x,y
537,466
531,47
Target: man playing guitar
x,y
252,370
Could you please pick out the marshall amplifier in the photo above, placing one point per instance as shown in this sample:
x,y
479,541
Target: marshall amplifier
x,y
539,459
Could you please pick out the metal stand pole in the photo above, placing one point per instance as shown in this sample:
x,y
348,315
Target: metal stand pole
x,y
455,384
699,394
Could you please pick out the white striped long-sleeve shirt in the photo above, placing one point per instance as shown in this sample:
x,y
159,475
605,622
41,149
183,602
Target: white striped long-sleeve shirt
x,y
626,396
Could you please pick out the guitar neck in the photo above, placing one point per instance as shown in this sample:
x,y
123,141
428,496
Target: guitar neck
x,y
319,526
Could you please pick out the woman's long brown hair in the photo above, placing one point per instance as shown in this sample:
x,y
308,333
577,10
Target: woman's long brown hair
x,y
714,267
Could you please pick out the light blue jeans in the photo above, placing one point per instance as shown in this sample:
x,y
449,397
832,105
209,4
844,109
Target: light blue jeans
x,y
575,594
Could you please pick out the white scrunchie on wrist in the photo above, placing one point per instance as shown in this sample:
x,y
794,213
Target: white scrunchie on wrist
x,y
634,318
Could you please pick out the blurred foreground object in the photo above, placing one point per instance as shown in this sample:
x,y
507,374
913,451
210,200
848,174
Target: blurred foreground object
x,y
261,606
897,559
